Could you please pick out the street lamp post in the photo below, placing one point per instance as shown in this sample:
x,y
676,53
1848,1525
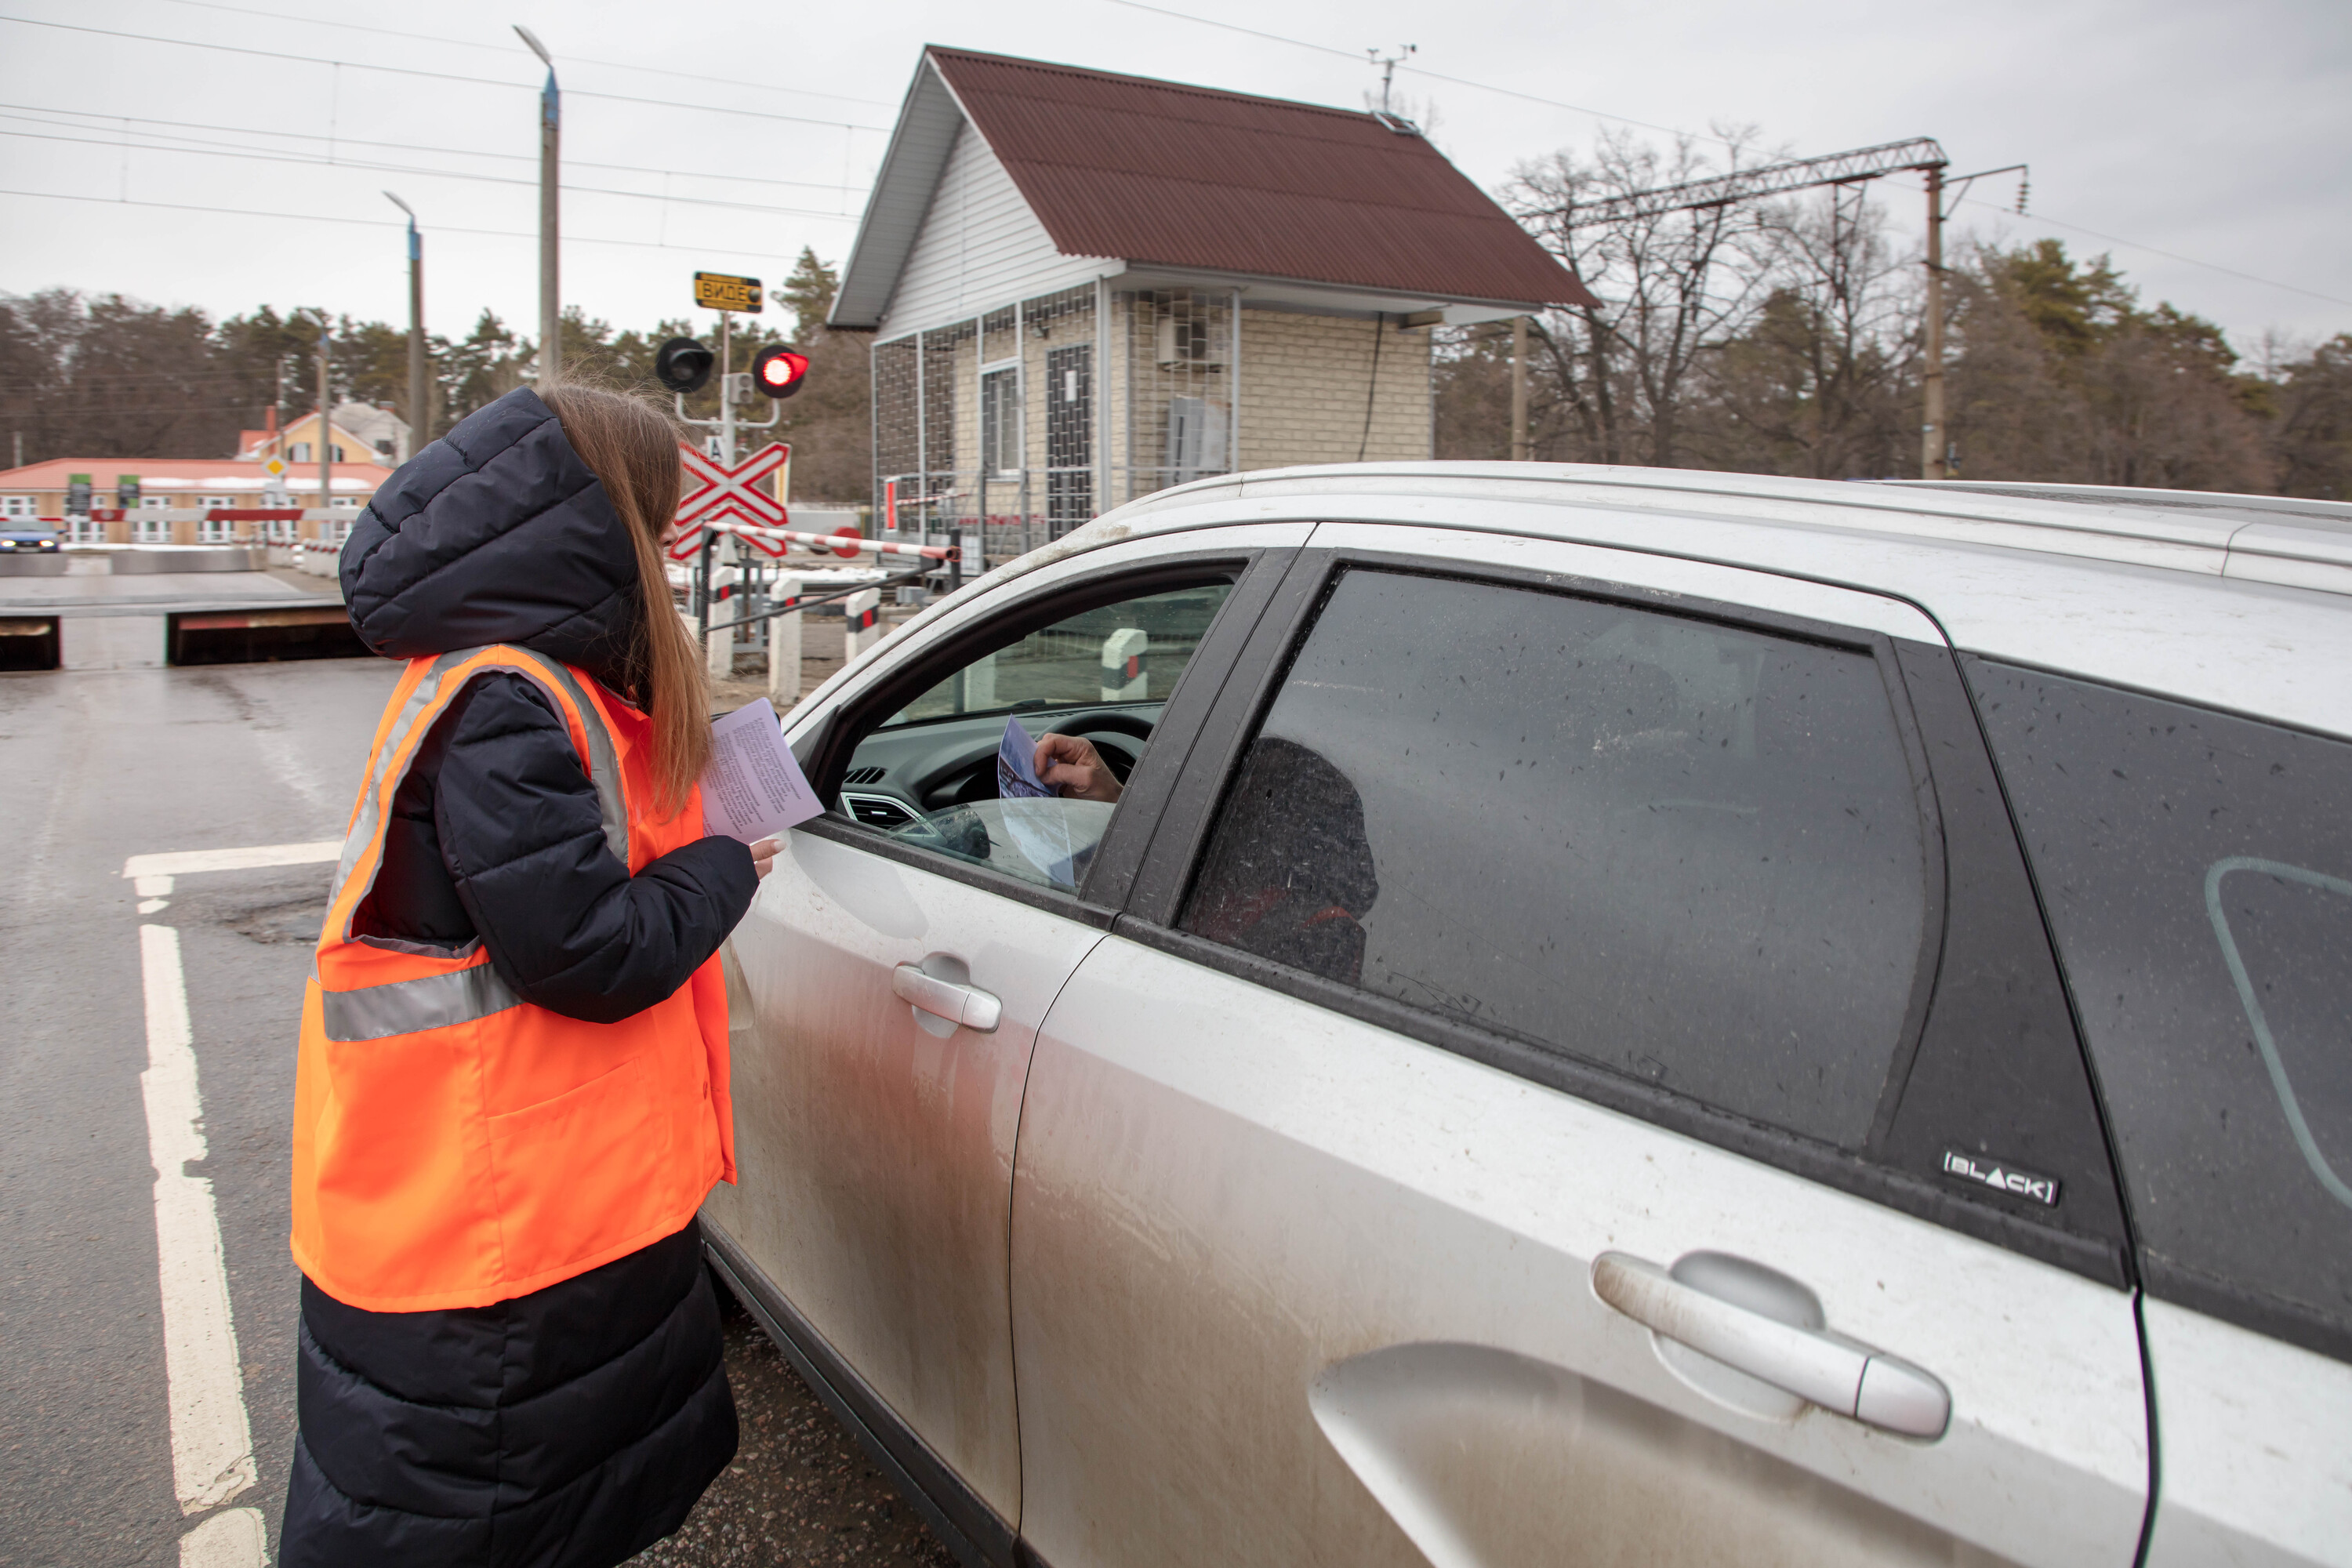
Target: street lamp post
x,y
420,414
326,441
551,118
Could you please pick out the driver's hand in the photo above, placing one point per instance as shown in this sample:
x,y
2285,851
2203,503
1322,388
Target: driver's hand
x,y
1074,770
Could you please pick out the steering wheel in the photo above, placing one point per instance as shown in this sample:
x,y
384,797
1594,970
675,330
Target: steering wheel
x,y
1113,723
1119,759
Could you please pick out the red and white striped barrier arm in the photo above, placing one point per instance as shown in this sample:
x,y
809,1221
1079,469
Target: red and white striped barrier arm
x,y
846,545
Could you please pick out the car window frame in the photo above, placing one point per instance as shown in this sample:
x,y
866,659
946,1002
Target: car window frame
x,y
1180,837
824,756
1258,673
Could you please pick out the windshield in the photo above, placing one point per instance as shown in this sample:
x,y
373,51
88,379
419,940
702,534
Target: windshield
x,y
1132,651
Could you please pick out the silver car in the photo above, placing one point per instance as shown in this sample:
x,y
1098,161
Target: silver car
x,y
1618,1016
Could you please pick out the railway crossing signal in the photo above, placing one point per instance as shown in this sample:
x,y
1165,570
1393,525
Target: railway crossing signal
x,y
682,364
777,370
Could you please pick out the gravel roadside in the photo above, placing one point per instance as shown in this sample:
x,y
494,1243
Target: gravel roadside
x,y
800,1489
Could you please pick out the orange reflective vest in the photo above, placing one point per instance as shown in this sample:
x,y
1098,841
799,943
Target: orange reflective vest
x,y
455,1145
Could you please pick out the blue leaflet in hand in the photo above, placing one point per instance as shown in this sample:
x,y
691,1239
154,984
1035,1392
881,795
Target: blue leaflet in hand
x,y
1016,766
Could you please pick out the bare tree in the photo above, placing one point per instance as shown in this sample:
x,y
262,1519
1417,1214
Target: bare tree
x,y
1819,382
1674,287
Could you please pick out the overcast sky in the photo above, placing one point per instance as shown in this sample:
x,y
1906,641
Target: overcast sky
x,y
2218,133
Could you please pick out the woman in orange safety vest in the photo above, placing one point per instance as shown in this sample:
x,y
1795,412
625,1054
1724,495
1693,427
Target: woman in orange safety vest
x,y
511,1093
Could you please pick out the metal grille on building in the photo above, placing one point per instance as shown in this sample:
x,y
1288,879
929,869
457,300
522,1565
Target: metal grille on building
x,y
1019,424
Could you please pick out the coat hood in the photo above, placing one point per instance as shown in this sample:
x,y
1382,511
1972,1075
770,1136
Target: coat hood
x,y
496,533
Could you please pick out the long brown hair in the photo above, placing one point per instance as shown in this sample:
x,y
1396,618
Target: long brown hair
x,y
632,446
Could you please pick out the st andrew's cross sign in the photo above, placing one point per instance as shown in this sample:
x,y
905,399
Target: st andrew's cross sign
x,y
728,494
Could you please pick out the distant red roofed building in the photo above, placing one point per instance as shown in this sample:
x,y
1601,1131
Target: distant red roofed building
x,y
37,491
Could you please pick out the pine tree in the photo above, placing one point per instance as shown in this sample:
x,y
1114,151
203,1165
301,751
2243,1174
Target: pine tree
x,y
809,291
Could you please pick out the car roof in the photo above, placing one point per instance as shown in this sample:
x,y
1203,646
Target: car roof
x,y
2241,602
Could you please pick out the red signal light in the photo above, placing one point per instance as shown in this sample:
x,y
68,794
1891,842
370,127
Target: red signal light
x,y
779,371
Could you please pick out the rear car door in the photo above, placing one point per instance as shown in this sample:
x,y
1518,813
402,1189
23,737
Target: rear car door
x,y
1581,1079
2197,868
887,985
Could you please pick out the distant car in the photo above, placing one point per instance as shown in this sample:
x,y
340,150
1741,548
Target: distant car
x,y
16,540
1621,1016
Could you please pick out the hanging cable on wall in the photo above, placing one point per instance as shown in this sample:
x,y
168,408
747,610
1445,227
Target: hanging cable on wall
x,y
1379,330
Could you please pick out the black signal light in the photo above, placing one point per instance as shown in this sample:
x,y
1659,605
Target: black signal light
x,y
779,371
683,365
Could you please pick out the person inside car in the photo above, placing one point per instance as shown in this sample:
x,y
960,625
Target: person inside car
x,y
1075,769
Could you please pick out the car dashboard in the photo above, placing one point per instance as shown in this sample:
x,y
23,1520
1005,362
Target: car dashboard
x,y
902,776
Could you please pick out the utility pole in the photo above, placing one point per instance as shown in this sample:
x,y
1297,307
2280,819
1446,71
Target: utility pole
x,y
1518,389
420,418
1932,441
326,444
550,308
1920,154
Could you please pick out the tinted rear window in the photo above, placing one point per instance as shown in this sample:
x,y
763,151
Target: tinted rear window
x,y
2198,873
1683,850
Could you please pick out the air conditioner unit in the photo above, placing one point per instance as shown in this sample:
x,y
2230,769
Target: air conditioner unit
x,y
1184,344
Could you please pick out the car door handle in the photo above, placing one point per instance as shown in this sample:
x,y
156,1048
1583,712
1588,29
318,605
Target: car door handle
x,y
967,1004
1833,1372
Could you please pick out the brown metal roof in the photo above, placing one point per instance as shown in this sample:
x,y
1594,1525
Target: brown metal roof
x,y
1158,173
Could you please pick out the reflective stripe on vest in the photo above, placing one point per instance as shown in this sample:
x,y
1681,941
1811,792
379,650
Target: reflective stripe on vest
x,y
412,1006
604,767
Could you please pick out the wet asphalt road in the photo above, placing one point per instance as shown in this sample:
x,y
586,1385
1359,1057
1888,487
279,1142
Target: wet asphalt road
x,y
97,766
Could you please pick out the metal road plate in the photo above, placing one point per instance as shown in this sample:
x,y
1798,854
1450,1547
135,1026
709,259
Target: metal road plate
x,y
725,291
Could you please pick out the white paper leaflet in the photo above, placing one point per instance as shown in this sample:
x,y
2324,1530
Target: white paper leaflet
x,y
754,787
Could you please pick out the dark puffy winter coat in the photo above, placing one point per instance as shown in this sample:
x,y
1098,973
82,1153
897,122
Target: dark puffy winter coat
x,y
572,1426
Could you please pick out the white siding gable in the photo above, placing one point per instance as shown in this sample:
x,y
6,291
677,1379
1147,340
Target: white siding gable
x,y
981,248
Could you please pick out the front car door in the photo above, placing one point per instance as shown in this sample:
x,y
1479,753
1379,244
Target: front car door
x,y
1584,1082
887,985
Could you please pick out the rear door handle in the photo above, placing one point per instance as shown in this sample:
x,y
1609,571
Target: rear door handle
x,y
1835,1373
967,1004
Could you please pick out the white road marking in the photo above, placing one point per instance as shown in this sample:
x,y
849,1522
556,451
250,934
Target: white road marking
x,y
212,1439
212,1442
187,861
230,1539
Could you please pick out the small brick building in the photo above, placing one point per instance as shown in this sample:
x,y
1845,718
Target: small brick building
x,y
1084,287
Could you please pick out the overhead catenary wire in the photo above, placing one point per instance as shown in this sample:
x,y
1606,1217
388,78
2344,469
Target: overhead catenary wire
x,y
508,48
1356,57
440,76
1350,55
27,113
701,250
2168,254
311,161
